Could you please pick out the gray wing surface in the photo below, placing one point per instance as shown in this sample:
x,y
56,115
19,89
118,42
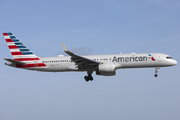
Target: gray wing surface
x,y
80,60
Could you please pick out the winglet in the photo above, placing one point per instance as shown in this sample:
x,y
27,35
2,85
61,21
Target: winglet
x,y
64,47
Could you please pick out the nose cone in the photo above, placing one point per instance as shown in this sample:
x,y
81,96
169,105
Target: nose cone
x,y
174,62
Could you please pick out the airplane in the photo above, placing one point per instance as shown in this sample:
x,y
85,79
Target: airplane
x,y
105,65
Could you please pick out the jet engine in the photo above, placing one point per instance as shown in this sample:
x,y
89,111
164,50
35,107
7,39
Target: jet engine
x,y
107,69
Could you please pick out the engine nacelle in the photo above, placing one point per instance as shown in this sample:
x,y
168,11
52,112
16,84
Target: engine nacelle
x,y
107,69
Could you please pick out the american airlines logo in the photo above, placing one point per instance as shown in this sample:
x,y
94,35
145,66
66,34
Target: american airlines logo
x,y
132,59
129,59
152,58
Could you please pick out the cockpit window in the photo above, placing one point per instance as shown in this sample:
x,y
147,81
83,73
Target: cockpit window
x,y
169,57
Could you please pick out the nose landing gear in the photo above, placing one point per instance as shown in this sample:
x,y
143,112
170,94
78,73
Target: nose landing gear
x,y
156,71
155,75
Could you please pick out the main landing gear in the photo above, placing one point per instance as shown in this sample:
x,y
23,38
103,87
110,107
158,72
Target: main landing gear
x,y
89,77
156,71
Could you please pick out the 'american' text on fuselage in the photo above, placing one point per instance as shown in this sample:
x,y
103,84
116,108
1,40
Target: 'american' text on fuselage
x,y
129,59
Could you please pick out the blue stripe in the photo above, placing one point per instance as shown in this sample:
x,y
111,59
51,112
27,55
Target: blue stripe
x,y
27,53
12,37
24,49
21,46
18,43
15,40
9,33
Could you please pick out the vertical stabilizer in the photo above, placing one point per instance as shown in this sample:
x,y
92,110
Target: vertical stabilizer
x,y
18,50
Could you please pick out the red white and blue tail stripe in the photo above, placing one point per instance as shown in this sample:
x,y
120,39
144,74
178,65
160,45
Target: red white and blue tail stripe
x,y
19,51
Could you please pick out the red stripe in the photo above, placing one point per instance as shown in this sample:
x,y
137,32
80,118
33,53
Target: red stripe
x,y
26,59
9,40
16,53
32,65
12,47
5,34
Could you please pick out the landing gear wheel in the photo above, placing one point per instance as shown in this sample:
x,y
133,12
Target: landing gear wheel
x,y
155,75
86,78
90,78
156,71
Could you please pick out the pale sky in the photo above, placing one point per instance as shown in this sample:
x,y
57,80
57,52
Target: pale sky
x,y
91,27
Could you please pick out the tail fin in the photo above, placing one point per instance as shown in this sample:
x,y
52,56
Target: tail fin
x,y
18,50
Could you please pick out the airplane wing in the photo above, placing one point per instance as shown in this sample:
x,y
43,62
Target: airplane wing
x,y
79,60
15,61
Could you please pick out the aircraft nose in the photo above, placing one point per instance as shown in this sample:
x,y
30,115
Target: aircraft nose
x,y
174,62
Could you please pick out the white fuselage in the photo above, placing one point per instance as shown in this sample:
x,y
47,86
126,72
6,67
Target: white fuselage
x,y
142,60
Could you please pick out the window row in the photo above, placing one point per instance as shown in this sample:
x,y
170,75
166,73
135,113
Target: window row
x,y
101,59
57,61
53,61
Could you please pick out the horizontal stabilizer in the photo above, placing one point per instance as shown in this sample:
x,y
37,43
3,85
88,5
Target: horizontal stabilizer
x,y
15,62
